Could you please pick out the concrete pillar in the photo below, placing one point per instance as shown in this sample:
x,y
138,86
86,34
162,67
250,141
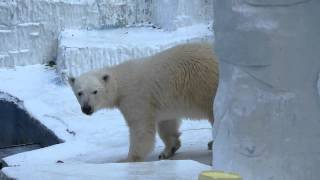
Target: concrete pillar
x,y
267,108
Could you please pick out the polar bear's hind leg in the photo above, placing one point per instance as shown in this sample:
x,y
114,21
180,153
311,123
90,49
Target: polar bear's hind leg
x,y
169,133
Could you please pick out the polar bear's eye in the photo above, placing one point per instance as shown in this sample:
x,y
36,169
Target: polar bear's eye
x,y
79,93
95,92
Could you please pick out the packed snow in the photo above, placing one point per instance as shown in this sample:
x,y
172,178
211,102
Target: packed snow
x,y
100,138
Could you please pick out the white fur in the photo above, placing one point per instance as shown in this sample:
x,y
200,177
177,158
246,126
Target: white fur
x,y
155,93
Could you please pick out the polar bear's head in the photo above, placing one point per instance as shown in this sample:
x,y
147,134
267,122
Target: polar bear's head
x,y
94,91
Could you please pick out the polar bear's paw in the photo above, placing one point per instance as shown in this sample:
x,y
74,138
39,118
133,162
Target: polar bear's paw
x,y
168,152
210,144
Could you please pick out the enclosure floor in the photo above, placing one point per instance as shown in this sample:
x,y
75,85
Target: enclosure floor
x,y
97,139
168,170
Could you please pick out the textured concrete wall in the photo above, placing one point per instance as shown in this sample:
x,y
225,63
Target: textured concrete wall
x,y
267,109
29,28
172,14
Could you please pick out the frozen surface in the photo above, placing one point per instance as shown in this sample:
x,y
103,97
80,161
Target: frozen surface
x,y
169,170
80,50
100,138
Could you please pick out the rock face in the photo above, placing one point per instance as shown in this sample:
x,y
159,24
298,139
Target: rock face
x,y
267,106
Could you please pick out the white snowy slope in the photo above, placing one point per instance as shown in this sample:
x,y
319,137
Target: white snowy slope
x,y
100,138
81,50
168,170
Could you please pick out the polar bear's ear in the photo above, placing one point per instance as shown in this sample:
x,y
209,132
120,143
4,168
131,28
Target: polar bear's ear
x,y
71,80
105,77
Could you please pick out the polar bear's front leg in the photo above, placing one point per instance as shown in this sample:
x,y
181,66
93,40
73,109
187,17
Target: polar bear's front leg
x,y
142,138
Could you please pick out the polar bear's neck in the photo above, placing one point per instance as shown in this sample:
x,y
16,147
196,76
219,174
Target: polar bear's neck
x,y
124,74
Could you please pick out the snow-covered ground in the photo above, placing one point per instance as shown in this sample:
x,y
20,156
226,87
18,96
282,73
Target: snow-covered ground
x,y
100,138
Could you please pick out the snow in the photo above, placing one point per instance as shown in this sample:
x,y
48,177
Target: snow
x,y
80,50
100,138
137,37
169,170
5,31
8,98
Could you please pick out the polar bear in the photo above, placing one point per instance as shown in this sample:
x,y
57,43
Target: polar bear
x,y
153,94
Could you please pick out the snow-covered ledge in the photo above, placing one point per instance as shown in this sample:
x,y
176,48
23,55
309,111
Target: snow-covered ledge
x,y
267,109
80,51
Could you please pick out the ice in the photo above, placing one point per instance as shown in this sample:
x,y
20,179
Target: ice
x,y
169,170
100,138
80,51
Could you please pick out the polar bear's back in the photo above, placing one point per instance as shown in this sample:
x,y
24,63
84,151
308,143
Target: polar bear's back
x,y
182,78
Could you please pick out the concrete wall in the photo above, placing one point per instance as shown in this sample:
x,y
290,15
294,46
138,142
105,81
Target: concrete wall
x,y
267,105
29,28
172,14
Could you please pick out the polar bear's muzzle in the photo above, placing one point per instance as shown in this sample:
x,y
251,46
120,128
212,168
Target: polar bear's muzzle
x,y
87,109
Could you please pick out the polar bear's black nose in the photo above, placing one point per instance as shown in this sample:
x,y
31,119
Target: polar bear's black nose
x,y
87,109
